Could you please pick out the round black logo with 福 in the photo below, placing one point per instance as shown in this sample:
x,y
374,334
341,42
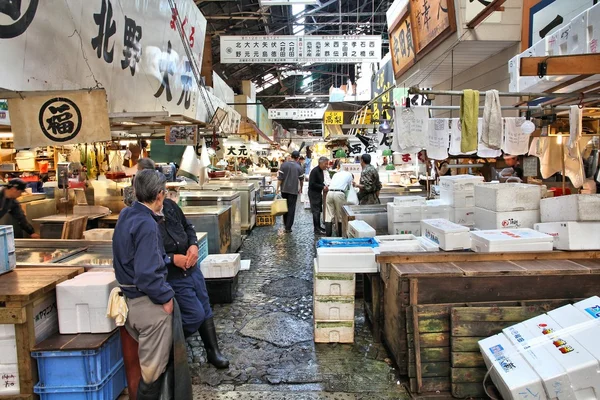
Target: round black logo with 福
x,y
60,119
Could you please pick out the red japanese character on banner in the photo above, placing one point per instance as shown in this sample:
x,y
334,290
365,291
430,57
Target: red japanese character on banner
x,y
406,158
185,21
174,19
422,156
192,40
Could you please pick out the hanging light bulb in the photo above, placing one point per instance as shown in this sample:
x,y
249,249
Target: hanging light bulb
x,y
388,153
528,127
385,127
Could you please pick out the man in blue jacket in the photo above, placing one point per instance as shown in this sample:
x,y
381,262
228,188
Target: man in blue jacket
x,y
140,266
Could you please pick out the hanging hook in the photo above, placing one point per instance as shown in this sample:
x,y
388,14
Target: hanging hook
x,y
580,105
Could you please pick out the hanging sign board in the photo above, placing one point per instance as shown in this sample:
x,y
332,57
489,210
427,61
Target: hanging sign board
x,y
181,135
131,48
395,13
402,46
382,82
432,20
297,114
59,119
4,116
300,49
333,118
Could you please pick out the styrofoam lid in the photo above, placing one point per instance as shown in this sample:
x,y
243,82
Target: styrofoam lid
x,y
511,235
360,225
462,178
221,258
409,199
394,238
91,279
436,203
445,225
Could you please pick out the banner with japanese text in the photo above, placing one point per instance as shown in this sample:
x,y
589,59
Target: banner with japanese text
x,y
133,49
431,19
382,83
60,118
402,47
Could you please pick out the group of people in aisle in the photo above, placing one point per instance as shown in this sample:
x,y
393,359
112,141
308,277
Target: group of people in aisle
x,y
290,181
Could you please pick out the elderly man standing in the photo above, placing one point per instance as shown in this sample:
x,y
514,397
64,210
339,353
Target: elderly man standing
x,y
140,266
370,185
336,199
289,183
316,186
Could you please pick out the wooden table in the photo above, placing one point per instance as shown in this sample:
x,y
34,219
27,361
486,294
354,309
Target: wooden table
x,y
431,335
108,222
20,291
51,227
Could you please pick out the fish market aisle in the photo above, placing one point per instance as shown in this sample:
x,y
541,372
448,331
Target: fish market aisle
x,y
267,332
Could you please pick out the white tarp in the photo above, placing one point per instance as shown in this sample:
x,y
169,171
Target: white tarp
x,y
131,48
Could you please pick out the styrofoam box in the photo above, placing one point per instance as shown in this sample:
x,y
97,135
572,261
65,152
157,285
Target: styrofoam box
x,y
221,265
554,376
463,216
404,212
510,240
579,325
578,38
334,308
404,228
448,235
7,331
572,235
513,376
517,82
82,303
45,318
405,244
460,183
10,379
333,284
581,366
360,229
334,331
458,199
434,209
574,207
593,29
508,196
8,349
347,260
563,39
590,307
403,200
486,219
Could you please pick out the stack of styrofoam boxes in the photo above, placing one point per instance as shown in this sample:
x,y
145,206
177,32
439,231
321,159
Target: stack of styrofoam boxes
x,y
221,266
510,240
82,303
573,221
459,193
507,205
347,259
9,367
360,229
593,29
8,258
448,235
333,306
404,215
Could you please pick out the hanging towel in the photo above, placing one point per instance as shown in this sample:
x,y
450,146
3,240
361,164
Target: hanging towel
x,y
492,120
469,112
549,152
410,129
575,129
515,142
117,307
456,138
482,149
438,138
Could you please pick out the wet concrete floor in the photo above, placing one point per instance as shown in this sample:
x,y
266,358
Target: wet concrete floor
x,y
267,333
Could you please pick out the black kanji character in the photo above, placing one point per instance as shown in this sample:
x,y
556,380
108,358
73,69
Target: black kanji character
x,y
426,17
231,151
167,68
243,151
60,121
133,49
445,10
186,84
106,29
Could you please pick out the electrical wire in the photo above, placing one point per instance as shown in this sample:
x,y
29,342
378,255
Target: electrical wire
x,y
487,375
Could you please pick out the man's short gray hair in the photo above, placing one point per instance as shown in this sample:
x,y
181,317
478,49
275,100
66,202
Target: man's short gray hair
x,y
148,184
146,163
323,159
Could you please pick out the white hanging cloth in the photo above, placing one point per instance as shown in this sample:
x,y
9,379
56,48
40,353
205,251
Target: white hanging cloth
x,y
482,149
575,129
438,138
410,129
515,141
456,138
491,132
548,150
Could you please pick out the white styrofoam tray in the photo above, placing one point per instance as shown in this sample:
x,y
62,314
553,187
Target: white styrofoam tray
x,y
460,183
508,196
221,265
572,235
347,260
486,219
510,240
574,207
448,235
360,229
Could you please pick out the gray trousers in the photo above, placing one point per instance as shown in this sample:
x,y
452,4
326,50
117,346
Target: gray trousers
x,y
152,328
335,206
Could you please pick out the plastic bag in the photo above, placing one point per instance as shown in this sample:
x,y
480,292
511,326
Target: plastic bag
x,y
352,197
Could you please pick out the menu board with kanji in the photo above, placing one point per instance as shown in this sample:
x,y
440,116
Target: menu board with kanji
x,y
402,46
431,19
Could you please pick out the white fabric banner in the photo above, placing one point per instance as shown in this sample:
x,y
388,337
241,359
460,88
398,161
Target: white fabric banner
x,y
58,119
438,138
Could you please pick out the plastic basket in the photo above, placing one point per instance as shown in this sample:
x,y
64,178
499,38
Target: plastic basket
x,y
265,220
354,242
109,389
78,368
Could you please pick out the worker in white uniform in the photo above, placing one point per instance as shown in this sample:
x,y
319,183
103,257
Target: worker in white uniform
x,y
341,182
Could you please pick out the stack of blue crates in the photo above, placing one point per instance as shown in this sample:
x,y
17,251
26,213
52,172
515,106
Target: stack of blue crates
x,y
202,250
82,374
8,259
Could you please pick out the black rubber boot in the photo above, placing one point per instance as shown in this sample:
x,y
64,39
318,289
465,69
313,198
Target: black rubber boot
x,y
339,231
328,229
317,224
149,391
209,338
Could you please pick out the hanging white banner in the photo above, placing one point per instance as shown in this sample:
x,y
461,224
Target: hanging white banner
x,y
300,49
131,48
59,119
297,114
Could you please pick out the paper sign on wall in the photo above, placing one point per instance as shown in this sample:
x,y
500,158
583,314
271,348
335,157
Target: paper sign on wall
x,y
298,114
181,135
59,119
334,118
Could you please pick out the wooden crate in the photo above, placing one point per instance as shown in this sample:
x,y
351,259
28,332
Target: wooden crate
x,y
20,290
264,219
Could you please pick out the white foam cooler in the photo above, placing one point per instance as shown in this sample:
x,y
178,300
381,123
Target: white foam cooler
x,y
334,308
510,240
405,244
574,207
10,379
360,229
572,235
8,344
404,228
502,197
221,265
486,219
578,37
448,235
435,209
593,29
458,199
404,212
82,303
347,260
463,216
511,374
406,200
460,183
333,284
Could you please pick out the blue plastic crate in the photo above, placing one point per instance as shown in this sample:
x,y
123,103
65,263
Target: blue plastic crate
x,y
78,368
109,389
202,251
354,242
8,260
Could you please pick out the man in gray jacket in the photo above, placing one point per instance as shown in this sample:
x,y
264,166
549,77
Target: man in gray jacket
x,y
289,183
